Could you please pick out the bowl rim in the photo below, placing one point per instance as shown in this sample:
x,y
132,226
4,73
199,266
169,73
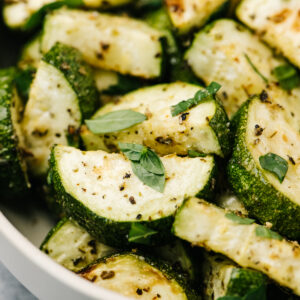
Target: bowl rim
x,y
12,239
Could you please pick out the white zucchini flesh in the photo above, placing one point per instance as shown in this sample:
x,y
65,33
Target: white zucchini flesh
x,y
98,180
114,43
105,79
155,102
206,225
218,54
17,13
73,247
186,14
132,276
52,107
277,22
278,137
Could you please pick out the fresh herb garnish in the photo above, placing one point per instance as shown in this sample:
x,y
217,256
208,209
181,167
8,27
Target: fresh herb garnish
x,y
274,164
240,220
193,153
201,95
115,121
258,293
255,69
146,165
140,234
287,76
267,233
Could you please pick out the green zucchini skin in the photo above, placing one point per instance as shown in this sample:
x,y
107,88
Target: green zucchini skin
x,y
78,73
253,189
13,175
155,263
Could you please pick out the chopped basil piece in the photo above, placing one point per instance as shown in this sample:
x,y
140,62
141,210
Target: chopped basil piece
x,y
115,121
240,220
140,234
254,294
200,96
146,165
267,233
255,69
274,164
193,153
132,151
287,76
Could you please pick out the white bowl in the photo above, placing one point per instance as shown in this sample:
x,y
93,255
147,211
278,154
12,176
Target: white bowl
x,y
20,236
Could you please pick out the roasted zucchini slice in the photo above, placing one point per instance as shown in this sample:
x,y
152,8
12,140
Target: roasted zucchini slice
x,y
137,276
13,171
222,277
62,94
204,128
228,53
187,14
249,245
101,192
276,22
115,43
22,14
264,127
71,246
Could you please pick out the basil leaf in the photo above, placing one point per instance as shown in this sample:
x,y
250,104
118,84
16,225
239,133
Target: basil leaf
x,y
115,121
274,164
256,294
230,298
140,234
255,69
267,233
152,163
240,220
193,153
157,182
200,96
287,76
132,151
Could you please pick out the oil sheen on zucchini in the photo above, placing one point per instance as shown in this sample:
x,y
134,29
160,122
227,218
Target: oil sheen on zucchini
x,y
187,14
266,127
276,22
223,52
18,13
204,128
115,43
71,246
138,277
13,171
222,277
62,94
206,225
100,191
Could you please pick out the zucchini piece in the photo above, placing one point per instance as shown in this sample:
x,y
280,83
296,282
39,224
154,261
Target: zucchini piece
x,y
71,246
205,128
137,276
276,22
31,54
100,191
228,53
28,14
177,68
114,43
231,202
264,127
112,83
187,14
62,94
13,171
222,277
206,225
